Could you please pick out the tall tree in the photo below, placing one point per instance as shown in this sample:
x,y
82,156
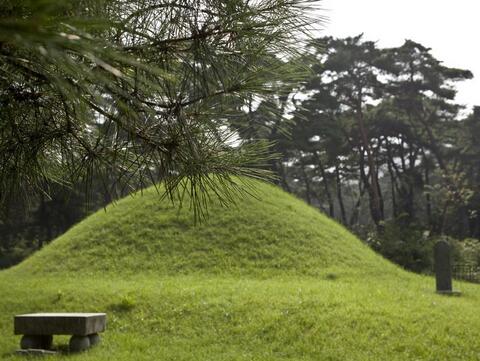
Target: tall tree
x,y
421,90
347,71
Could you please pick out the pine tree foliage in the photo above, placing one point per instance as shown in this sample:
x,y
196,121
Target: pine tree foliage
x,y
138,91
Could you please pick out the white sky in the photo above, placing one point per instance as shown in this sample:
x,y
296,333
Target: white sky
x,y
450,28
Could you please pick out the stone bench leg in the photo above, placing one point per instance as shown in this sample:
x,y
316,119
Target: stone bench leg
x,y
79,343
42,342
94,339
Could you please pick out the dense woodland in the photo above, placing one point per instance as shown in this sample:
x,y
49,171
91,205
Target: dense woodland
x,y
373,137
377,142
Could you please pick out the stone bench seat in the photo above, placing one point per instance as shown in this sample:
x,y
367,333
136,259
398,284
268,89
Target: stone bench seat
x,y
38,329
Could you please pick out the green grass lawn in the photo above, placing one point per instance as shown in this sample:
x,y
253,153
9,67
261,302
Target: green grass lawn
x,y
269,279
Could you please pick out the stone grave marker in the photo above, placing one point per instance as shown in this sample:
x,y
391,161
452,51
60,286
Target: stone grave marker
x,y
443,268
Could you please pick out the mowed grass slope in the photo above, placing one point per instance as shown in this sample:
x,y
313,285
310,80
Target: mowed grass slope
x,y
269,279
267,235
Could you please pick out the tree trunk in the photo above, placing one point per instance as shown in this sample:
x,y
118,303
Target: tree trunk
x,y
393,179
331,208
278,169
428,199
376,207
45,223
356,208
339,195
411,182
307,183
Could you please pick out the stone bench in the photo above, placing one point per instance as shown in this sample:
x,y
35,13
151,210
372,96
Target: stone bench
x,y
38,329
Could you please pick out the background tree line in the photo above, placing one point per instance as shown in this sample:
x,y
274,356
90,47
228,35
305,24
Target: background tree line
x,y
377,141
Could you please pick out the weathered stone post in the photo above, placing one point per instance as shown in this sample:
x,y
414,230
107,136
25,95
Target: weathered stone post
x,y
443,268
